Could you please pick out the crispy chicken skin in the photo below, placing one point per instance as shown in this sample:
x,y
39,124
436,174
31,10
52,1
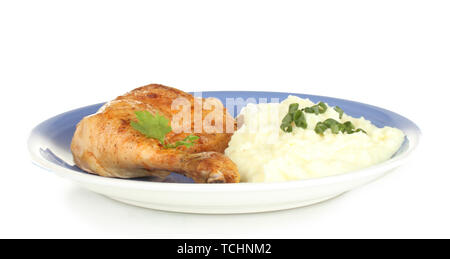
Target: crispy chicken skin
x,y
105,144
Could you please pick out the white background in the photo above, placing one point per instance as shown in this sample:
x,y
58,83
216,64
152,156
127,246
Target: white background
x,y
60,55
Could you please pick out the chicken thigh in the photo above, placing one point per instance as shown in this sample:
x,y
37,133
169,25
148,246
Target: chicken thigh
x,y
106,144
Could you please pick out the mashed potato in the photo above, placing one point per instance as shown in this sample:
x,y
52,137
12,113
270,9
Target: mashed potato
x,y
265,153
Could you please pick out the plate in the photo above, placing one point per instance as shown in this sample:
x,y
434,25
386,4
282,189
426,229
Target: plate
x,y
49,146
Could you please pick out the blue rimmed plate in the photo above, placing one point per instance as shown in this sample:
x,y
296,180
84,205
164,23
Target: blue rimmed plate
x,y
49,146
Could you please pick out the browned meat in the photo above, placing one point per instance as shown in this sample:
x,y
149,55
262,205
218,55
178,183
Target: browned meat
x,y
106,144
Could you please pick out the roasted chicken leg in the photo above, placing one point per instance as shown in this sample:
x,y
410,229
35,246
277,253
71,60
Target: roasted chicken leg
x,y
105,144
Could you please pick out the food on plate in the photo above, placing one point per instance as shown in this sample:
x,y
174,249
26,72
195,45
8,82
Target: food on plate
x,y
131,137
142,134
298,139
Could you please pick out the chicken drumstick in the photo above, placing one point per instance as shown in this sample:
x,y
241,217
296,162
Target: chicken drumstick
x,y
105,144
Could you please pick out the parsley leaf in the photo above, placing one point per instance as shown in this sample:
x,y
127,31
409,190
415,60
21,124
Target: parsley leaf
x,y
152,126
188,141
156,127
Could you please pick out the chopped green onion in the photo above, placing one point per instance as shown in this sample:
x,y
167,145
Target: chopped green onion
x,y
339,110
300,119
286,127
293,107
347,127
358,130
317,109
334,125
320,128
288,119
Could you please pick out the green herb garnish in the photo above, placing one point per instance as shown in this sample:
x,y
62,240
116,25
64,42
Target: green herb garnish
x,y
358,130
320,128
156,127
300,119
293,107
188,141
286,123
316,109
336,127
297,117
339,110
